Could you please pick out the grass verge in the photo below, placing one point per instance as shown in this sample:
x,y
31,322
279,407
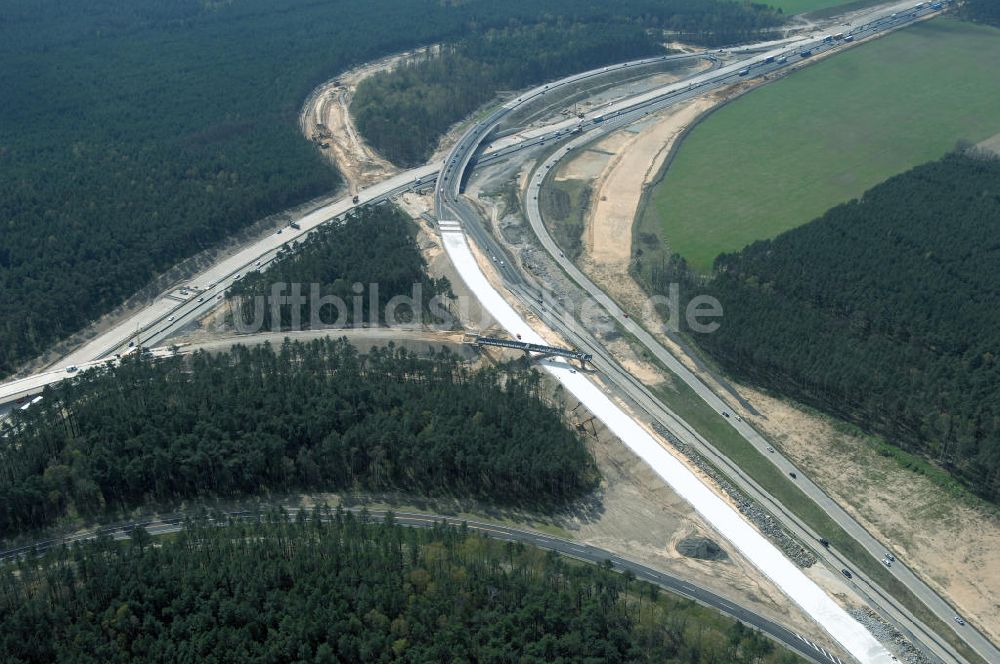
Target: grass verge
x,y
563,204
683,401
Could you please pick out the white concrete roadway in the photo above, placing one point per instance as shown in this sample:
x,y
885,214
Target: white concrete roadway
x,y
855,638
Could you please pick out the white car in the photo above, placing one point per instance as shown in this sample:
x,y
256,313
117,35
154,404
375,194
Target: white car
x,y
71,368
201,299
170,318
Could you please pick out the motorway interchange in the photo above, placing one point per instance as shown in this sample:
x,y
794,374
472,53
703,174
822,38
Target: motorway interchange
x,y
459,224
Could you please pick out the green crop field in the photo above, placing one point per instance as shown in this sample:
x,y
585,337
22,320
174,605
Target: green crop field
x,y
783,154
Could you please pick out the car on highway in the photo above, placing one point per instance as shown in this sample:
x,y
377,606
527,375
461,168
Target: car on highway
x,y
959,620
793,475
770,449
726,413
846,572
201,299
890,557
170,318
71,368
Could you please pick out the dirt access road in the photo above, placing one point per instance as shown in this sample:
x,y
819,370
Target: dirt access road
x,y
326,121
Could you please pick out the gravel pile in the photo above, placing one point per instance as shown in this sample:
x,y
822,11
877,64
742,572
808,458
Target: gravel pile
x,y
888,636
701,548
766,523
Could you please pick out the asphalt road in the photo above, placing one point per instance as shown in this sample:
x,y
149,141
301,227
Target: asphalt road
x,y
166,316
451,206
784,636
876,549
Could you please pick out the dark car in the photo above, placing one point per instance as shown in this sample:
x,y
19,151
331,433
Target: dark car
x,y
846,572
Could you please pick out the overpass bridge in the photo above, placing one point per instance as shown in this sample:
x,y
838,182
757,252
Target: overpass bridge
x,y
544,351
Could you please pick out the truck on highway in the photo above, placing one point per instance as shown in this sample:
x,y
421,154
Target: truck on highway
x,y
295,225
743,72
806,54
355,199
827,39
769,60
782,60
598,118
839,35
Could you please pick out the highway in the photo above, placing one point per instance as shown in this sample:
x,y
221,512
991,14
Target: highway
x,y
454,222
172,311
167,315
451,207
585,552
876,549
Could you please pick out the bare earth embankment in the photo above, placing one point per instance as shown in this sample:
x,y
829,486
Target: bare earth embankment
x,y
954,546
326,120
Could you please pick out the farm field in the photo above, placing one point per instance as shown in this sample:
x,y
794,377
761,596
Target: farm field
x,y
785,153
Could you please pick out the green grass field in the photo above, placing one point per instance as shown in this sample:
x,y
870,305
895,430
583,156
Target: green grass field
x,y
785,153
801,6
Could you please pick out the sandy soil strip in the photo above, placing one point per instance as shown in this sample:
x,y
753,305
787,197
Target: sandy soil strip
x,y
608,236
